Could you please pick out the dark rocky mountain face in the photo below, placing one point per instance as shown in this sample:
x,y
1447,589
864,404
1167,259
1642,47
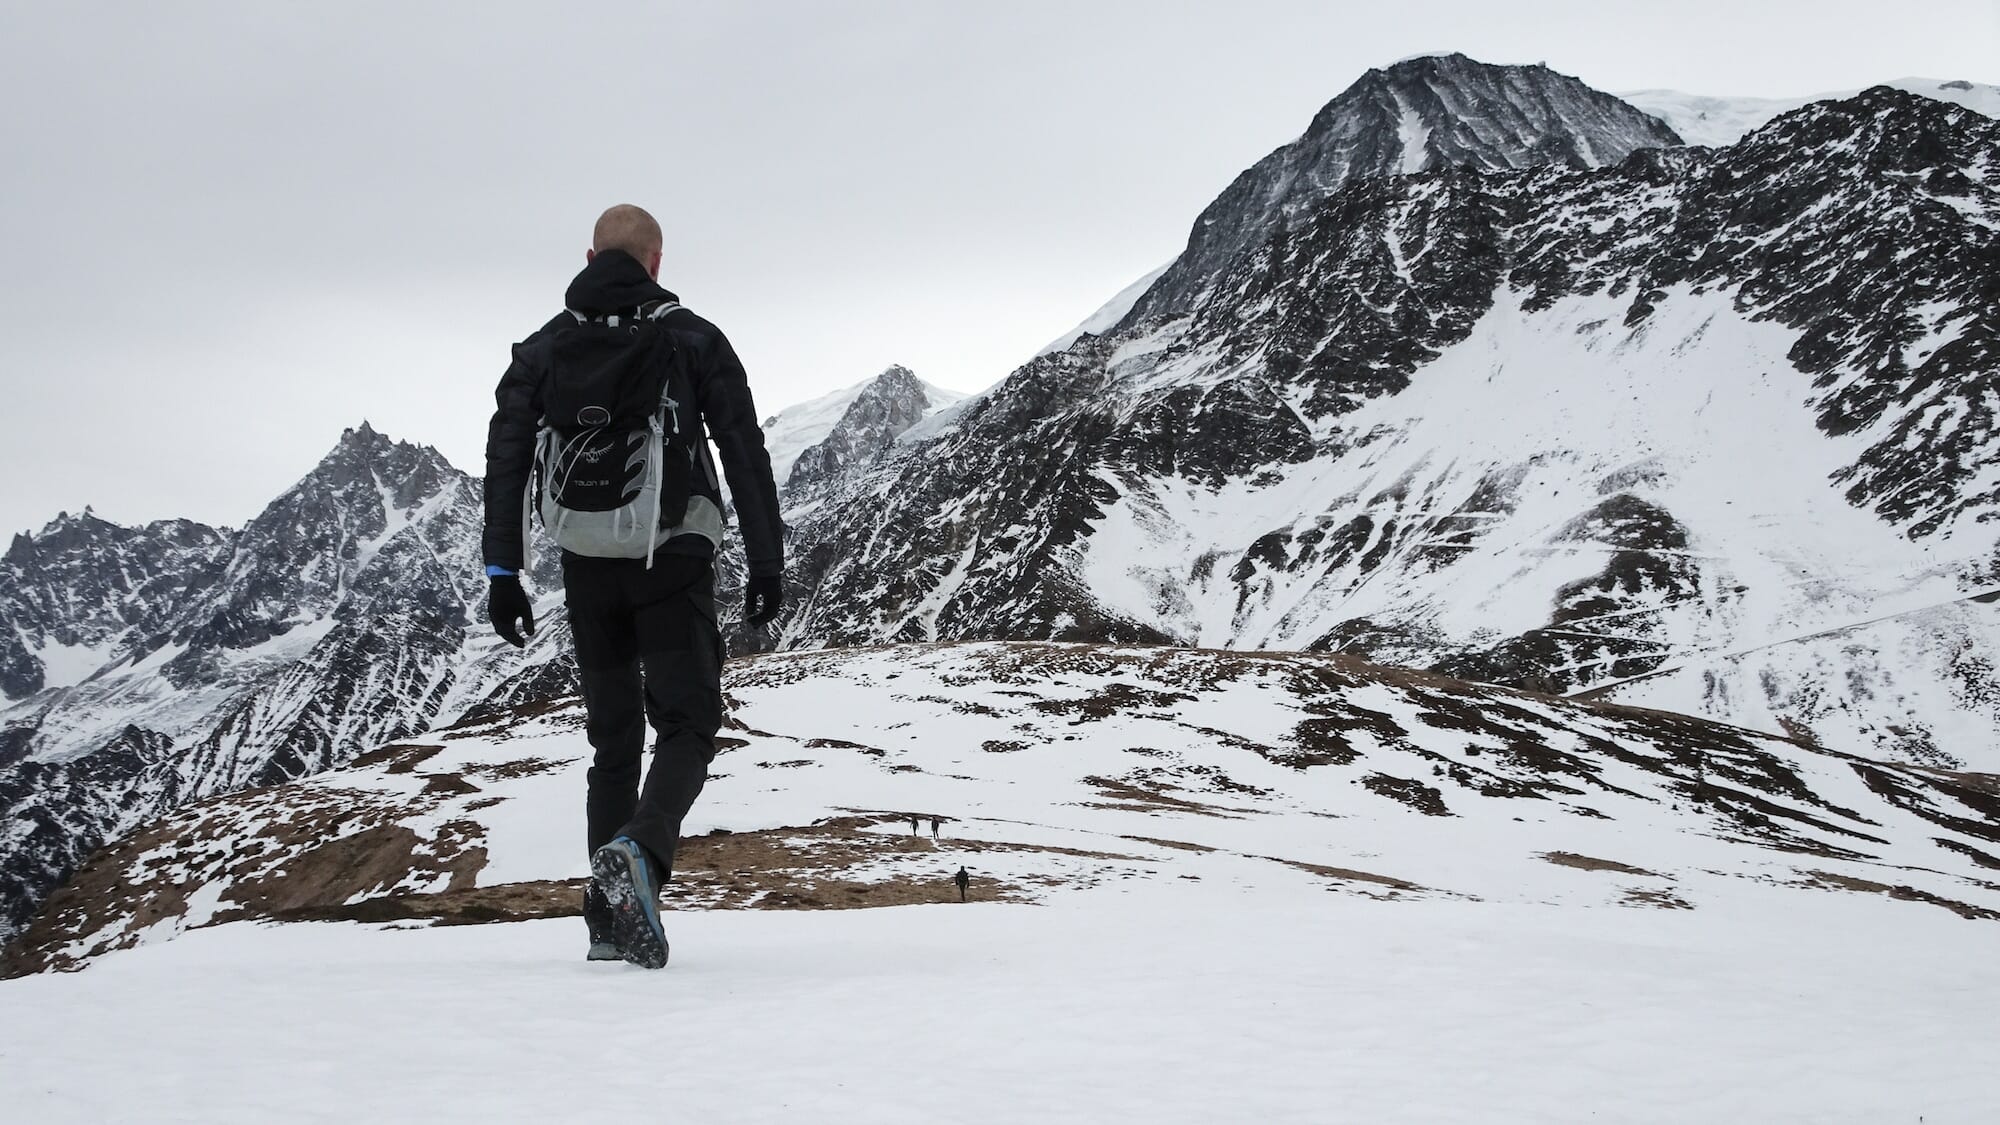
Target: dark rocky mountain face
x,y
84,583
1888,265
1285,464
1420,115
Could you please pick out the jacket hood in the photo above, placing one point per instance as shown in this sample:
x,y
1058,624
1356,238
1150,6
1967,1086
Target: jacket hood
x,y
611,282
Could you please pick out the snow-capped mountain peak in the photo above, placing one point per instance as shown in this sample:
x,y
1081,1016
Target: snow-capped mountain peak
x,y
1419,115
875,417
861,421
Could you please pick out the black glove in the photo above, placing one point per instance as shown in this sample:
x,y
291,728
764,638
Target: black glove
x,y
761,599
508,608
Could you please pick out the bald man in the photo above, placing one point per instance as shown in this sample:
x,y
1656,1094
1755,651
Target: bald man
x,y
644,628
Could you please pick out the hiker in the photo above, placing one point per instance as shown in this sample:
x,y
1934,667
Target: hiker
x,y
963,880
913,825
934,827
603,423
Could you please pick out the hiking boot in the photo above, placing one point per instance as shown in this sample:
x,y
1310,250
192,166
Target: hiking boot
x,y
624,874
597,918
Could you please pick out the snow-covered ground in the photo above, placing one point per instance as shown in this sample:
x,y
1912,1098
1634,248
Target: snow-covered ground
x,y
1196,1002
1207,886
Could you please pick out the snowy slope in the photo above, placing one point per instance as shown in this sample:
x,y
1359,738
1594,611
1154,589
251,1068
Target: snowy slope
x,y
1193,1003
1676,451
1496,906
1704,120
1108,314
1059,769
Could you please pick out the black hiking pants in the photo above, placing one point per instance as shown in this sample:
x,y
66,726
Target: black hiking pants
x,y
647,649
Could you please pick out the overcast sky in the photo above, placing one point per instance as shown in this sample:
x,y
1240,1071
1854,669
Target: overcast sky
x,y
231,231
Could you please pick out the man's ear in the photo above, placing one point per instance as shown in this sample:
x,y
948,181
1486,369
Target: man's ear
x,y
589,256
653,265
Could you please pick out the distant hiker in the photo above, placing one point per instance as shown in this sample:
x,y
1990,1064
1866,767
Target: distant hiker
x,y
963,880
934,827
602,426
913,825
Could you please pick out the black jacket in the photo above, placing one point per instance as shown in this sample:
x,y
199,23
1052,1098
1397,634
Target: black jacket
x,y
615,282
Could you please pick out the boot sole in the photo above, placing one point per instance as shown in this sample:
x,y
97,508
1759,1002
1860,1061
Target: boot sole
x,y
634,921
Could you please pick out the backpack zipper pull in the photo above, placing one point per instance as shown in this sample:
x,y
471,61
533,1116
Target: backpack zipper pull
x,y
674,412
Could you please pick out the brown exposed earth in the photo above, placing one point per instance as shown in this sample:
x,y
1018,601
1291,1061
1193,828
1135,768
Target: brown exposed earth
x,y
838,863
1592,863
1833,881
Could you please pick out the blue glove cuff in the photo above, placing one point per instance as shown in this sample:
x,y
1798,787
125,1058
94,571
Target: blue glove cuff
x,y
500,572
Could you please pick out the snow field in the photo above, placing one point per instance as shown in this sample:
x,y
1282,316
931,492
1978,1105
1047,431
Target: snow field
x,y
1717,121
930,715
1156,1004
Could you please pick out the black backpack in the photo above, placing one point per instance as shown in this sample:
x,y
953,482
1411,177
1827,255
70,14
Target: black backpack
x,y
615,455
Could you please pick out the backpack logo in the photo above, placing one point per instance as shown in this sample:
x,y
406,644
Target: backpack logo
x,y
593,416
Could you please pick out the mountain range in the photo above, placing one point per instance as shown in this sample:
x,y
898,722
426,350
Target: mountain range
x,y
1487,373
1704,429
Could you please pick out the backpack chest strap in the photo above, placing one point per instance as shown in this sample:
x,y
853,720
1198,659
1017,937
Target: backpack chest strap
x,y
651,311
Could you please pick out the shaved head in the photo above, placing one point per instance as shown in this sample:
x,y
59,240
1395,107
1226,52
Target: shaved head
x,y
627,228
